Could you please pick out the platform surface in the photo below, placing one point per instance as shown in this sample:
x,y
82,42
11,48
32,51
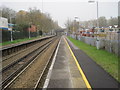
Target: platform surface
x,y
65,73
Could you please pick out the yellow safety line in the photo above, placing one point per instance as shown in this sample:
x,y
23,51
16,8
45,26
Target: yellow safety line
x,y
80,69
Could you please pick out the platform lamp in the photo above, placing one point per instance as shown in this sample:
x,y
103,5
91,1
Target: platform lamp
x,y
77,19
11,31
90,1
98,42
11,16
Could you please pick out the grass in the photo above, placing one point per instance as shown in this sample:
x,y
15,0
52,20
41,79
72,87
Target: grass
x,y
16,41
108,61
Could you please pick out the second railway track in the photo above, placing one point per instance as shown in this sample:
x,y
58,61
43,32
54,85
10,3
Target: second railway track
x,y
14,69
13,48
21,55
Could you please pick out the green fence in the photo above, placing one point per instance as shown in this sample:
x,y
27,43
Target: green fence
x,y
6,35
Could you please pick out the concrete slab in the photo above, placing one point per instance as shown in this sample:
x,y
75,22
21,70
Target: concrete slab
x,y
64,83
60,74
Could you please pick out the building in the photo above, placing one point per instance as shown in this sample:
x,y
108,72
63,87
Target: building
x,y
3,23
32,28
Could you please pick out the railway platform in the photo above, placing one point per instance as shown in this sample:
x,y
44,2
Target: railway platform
x,y
63,72
72,68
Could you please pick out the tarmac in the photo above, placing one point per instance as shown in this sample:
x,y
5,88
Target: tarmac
x,y
95,74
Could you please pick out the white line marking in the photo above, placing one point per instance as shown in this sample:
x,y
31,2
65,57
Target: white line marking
x,y
51,67
72,44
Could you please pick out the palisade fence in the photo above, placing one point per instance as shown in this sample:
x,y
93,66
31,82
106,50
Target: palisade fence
x,y
110,45
6,35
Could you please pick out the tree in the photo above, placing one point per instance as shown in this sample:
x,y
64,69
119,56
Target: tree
x,y
68,24
72,26
7,13
23,19
113,21
102,21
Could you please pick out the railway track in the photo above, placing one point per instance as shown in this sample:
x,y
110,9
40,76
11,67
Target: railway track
x,y
20,50
21,55
43,75
19,66
10,68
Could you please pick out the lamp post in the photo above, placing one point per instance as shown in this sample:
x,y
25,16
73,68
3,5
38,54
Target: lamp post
x,y
98,41
11,16
77,18
11,33
97,11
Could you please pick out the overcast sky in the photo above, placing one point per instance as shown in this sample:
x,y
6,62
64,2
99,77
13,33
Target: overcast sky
x,y
61,10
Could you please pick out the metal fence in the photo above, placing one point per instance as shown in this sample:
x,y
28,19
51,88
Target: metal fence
x,y
112,46
6,35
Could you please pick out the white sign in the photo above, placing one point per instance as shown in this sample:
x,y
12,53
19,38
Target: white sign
x,y
10,29
3,22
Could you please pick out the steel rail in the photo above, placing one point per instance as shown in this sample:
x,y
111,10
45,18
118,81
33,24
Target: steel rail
x,y
36,87
6,83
